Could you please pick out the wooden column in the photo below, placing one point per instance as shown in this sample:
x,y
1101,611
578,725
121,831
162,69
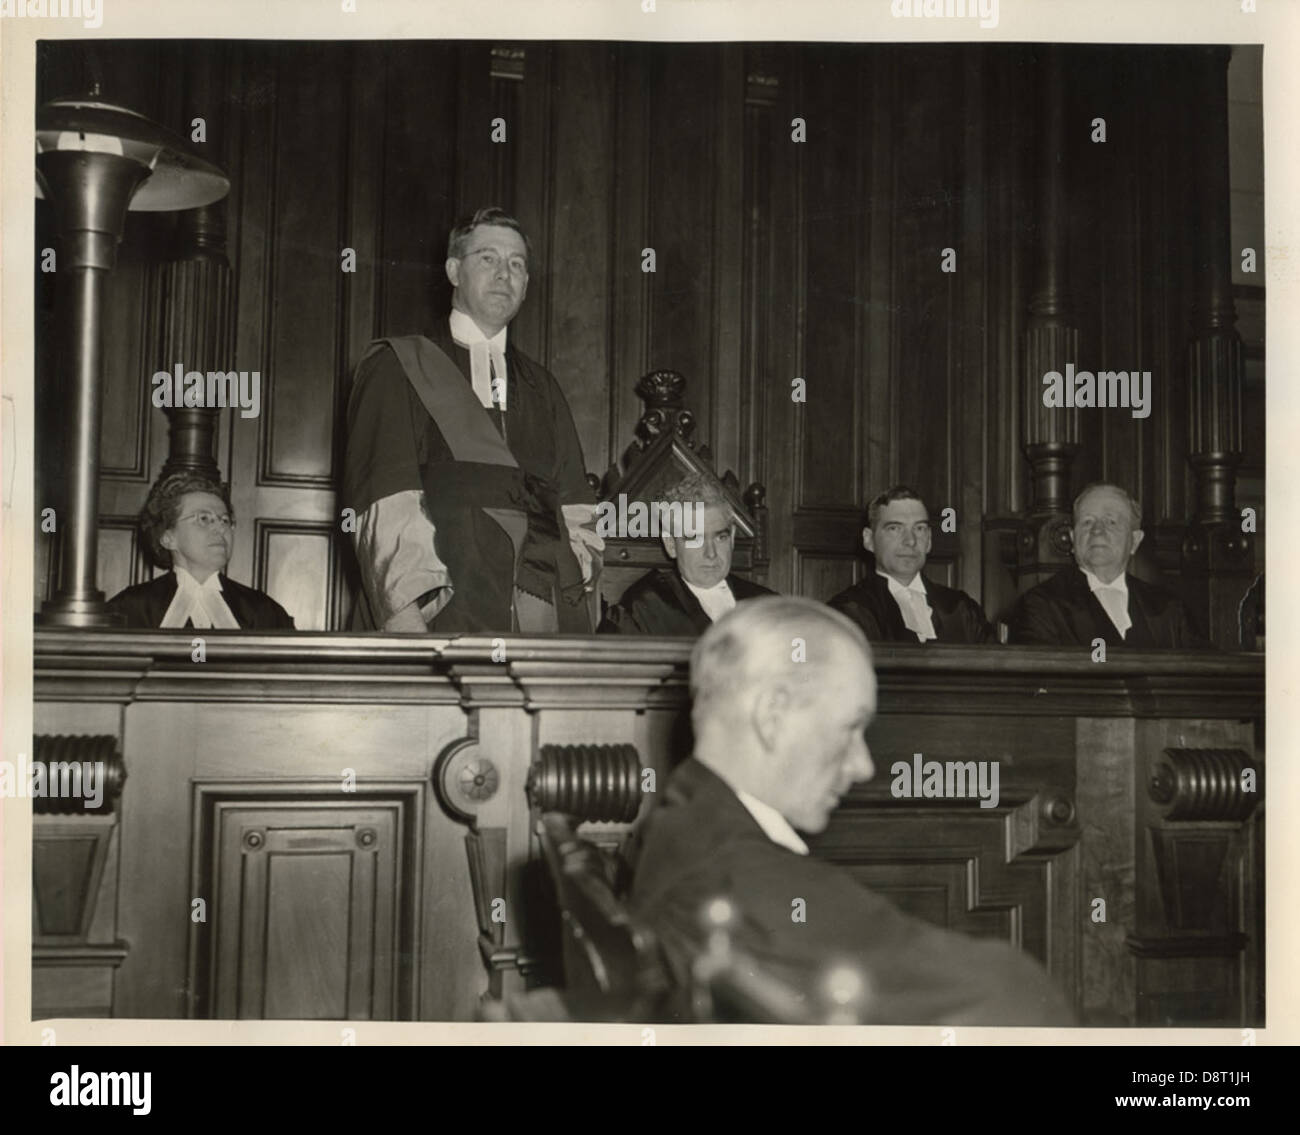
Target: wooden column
x,y
1050,436
1218,558
196,298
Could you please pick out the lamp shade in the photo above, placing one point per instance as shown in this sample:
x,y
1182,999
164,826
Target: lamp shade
x,y
178,179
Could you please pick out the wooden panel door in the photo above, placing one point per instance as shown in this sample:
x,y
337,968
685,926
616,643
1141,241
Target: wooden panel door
x,y
306,917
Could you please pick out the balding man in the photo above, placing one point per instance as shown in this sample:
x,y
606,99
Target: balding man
x,y
778,742
1095,597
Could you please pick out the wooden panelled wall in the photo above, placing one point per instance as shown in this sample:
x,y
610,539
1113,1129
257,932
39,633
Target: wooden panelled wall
x,y
774,260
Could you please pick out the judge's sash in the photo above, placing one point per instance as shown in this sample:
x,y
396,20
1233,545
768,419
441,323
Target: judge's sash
x,y
460,417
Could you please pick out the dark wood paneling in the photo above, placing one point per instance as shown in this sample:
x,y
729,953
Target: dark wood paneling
x,y
830,418
300,364
683,130
776,259
578,268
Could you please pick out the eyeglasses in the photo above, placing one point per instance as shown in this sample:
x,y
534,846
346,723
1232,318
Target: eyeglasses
x,y
205,519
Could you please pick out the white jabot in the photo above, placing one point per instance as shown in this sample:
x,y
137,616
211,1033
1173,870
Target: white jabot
x,y
775,826
913,604
199,603
1113,597
716,600
486,357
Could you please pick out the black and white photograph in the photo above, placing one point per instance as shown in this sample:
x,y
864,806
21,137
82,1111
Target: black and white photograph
x,y
628,529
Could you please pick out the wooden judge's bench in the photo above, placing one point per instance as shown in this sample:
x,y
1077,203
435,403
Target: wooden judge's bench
x,y
324,826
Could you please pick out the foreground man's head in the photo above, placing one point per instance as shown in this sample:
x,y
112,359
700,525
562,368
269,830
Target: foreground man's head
x,y
783,689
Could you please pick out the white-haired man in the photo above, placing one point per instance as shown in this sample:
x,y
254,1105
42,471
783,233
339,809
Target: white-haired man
x,y
779,739
1095,597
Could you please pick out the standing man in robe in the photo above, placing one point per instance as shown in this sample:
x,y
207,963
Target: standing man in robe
x,y
464,471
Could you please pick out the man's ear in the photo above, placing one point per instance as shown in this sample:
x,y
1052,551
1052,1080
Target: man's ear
x,y
670,548
868,540
771,712
1135,540
453,271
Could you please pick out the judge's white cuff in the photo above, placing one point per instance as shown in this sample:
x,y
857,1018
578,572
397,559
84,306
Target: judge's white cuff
x,y
399,562
587,545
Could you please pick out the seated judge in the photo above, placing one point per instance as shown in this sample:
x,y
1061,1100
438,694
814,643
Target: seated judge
x,y
779,740
1096,597
895,602
190,528
699,588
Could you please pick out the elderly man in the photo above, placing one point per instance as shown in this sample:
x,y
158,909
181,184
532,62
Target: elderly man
x,y
1096,598
701,589
783,691
464,476
895,602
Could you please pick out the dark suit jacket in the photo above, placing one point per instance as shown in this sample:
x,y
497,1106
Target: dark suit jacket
x,y
660,603
701,842
1062,611
145,604
956,616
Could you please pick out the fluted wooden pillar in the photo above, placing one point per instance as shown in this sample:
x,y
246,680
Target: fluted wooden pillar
x,y
1218,558
1050,435
196,298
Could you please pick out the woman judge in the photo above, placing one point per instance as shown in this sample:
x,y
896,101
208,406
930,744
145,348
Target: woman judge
x,y
190,528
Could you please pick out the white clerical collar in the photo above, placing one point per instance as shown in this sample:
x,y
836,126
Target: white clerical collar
x,y
716,600
1119,583
486,354
917,584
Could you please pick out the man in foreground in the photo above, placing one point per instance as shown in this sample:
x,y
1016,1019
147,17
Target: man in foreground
x,y
783,689
1095,597
895,602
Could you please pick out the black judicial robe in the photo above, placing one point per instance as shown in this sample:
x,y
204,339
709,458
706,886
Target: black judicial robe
x,y
956,616
395,446
1063,611
145,604
659,603
701,842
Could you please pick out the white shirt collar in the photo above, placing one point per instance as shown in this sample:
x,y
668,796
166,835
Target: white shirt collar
x,y
775,826
184,579
485,354
1119,583
716,600
917,584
